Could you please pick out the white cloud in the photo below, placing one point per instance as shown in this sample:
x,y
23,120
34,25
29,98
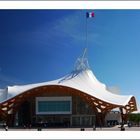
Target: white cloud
x,y
71,27
8,80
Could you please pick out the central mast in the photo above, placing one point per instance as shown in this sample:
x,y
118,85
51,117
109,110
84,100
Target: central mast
x,y
82,62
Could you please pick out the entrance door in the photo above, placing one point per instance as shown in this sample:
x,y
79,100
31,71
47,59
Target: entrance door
x,y
83,120
86,121
24,114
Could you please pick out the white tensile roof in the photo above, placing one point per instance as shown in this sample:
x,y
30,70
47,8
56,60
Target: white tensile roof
x,y
83,80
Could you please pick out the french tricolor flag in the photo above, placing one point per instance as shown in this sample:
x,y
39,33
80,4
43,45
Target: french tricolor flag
x,y
90,14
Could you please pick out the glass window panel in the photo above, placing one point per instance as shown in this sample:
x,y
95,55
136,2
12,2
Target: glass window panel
x,y
53,106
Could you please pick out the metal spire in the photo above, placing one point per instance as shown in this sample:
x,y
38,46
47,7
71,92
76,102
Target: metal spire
x,y
82,62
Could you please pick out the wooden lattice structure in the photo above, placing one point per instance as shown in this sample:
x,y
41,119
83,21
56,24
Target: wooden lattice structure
x,y
9,107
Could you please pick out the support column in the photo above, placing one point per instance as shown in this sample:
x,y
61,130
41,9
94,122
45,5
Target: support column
x,y
70,120
122,115
10,119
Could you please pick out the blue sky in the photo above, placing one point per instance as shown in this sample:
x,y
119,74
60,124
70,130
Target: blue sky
x,y
43,45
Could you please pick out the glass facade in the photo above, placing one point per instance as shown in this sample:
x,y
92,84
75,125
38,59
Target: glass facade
x,y
54,106
83,120
64,111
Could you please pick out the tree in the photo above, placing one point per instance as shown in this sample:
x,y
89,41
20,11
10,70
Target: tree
x,y
134,118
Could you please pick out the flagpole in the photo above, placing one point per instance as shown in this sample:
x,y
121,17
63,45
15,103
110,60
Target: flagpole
x,y
88,15
86,34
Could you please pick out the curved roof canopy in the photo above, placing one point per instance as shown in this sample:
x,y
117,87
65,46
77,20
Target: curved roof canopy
x,y
83,80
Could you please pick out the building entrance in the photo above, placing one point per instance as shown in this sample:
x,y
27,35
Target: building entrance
x,y
83,120
53,120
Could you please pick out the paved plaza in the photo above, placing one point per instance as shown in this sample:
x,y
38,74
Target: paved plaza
x,y
116,128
